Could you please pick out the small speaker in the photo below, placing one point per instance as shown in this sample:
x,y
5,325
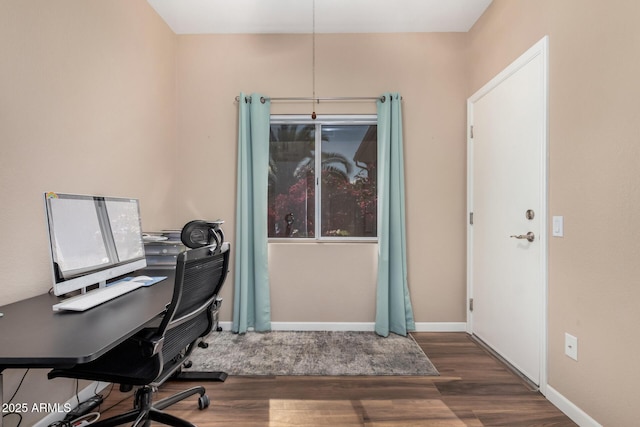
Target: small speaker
x,y
199,233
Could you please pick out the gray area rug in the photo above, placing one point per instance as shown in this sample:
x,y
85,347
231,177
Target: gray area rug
x,y
311,353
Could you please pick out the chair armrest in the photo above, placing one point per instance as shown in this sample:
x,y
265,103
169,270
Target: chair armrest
x,y
149,342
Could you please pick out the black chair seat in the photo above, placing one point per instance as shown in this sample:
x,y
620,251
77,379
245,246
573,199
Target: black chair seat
x,y
124,364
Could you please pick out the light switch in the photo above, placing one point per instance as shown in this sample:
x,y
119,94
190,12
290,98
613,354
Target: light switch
x,y
557,226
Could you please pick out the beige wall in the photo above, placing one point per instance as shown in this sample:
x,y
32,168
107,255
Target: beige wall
x,y
594,183
87,105
429,70
89,88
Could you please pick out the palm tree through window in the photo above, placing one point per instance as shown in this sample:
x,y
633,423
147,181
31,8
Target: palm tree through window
x,y
322,178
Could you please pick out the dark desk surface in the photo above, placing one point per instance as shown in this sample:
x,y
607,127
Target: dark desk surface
x,y
33,335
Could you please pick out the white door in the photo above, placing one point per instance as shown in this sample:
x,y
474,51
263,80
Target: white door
x,y
507,206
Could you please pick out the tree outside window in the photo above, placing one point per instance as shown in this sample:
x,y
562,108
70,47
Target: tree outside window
x,y
322,178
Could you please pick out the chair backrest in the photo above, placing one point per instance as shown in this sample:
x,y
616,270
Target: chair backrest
x,y
200,274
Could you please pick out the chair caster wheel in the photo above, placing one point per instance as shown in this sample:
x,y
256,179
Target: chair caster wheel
x,y
187,364
203,344
203,402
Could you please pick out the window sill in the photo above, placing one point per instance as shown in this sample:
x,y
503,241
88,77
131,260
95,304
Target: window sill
x,y
306,241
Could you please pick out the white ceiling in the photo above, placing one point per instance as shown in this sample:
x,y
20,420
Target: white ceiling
x,y
331,16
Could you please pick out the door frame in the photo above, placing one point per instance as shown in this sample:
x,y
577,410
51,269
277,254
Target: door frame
x,y
541,48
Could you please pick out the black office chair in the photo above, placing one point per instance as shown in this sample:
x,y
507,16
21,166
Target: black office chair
x,y
156,353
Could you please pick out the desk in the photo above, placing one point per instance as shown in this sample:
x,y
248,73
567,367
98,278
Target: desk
x,y
32,335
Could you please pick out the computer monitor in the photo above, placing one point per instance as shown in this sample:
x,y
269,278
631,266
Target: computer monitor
x,y
92,239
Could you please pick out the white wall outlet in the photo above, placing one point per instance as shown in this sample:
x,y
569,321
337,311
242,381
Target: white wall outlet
x,y
571,346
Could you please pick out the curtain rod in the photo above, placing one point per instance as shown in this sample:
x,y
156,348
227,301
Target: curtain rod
x,y
317,100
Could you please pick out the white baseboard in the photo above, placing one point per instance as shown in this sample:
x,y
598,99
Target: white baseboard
x,y
355,326
226,326
323,326
441,326
576,414
83,395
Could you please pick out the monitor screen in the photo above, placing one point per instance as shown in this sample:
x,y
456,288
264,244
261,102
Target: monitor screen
x,y
124,220
92,239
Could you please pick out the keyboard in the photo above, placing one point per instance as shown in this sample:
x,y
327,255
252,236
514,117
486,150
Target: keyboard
x,y
97,296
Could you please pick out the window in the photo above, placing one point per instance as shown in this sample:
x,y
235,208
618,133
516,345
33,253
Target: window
x,y
322,177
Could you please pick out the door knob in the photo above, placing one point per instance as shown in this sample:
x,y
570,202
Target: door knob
x,y
529,236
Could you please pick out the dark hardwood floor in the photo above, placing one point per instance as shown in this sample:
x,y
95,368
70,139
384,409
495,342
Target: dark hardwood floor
x,y
473,389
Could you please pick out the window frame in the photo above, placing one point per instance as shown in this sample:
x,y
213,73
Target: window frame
x,y
328,119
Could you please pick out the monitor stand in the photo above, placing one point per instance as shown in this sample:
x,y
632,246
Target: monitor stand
x,y
101,284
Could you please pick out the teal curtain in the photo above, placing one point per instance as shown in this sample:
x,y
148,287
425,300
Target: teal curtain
x,y
251,299
393,303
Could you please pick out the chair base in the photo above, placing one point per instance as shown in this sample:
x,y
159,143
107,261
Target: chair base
x,y
200,376
145,411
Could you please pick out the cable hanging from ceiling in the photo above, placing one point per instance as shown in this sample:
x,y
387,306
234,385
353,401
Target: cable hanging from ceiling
x,y
314,99
313,60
